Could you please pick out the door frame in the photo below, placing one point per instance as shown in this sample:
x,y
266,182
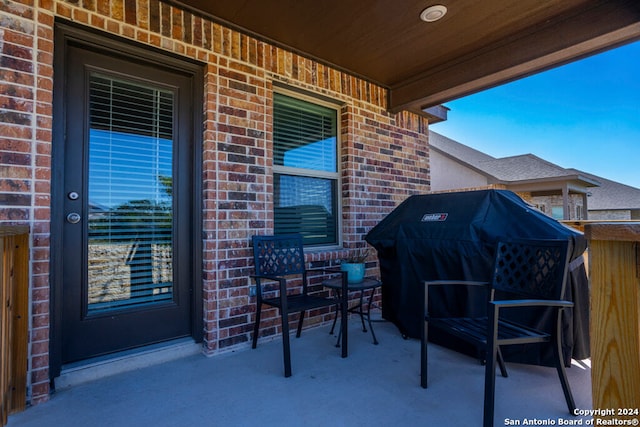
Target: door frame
x,y
67,34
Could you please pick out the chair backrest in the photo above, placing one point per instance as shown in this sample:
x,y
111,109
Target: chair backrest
x,y
531,268
278,255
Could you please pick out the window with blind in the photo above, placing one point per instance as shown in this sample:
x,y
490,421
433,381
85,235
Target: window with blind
x,y
305,164
130,231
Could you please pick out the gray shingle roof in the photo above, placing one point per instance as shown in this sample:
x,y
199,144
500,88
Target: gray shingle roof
x,y
611,195
455,149
506,169
522,168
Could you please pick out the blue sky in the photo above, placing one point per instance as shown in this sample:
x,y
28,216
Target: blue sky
x,y
584,115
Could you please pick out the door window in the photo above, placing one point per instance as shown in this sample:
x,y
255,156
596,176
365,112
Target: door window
x,y
130,194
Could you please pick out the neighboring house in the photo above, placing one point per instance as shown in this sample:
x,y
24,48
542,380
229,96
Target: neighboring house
x,y
612,200
559,192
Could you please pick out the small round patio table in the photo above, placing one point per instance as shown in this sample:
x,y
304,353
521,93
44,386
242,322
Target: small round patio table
x,y
367,284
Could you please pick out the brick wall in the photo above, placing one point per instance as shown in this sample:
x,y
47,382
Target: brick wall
x,y
621,214
384,157
26,82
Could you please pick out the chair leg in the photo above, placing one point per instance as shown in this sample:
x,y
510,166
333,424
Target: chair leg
x,y
424,338
286,348
256,326
335,320
490,368
562,374
373,334
503,367
339,336
299,331
423,353
344,325
364,328
489,392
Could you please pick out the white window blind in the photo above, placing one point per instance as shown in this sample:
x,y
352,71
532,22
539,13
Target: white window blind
x,y
305,170
130,194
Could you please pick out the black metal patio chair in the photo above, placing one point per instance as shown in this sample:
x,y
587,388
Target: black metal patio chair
x,y
535,271
280,259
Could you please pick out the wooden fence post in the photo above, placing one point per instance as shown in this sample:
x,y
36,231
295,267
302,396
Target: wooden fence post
x,y
614,253
14,306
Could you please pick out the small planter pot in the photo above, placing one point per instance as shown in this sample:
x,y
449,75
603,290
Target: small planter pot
x,y
355,271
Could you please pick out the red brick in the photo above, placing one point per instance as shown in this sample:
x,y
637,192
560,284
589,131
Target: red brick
x,y
40,307
39,375
39,348
39,334
11,185
130,12
39,282
113,26
117,10
103,8
89,4
16,9
80,16
128,31
98,21
38,362
41,321
40,393
63,10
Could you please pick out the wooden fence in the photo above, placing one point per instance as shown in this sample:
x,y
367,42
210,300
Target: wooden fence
x,y
615,318
14,300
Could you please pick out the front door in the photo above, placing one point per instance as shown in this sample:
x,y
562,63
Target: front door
x,y
126,209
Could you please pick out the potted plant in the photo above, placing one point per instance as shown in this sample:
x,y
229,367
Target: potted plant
x,y
354,264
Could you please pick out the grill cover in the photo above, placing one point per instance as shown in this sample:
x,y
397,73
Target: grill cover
x,y
452,236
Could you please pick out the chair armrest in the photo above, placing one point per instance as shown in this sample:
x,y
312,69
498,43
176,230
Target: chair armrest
x,y
282,283
274,278
532,303
466,283
454,282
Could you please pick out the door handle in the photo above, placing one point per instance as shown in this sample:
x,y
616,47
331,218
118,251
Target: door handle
x,y
73,218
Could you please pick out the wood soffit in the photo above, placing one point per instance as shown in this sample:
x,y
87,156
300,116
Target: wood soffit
x,y
475,46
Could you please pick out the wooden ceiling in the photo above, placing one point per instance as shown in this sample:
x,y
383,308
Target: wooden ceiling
x,y
478,44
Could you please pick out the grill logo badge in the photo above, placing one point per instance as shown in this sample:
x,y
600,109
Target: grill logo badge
x,y
434,217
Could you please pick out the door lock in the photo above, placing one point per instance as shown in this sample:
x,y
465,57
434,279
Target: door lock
x,y
73,218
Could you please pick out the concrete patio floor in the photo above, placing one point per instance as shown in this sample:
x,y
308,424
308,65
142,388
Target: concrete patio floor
x,y
377,385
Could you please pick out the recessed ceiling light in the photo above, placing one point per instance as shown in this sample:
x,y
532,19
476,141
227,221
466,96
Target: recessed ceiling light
x,y
433,13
